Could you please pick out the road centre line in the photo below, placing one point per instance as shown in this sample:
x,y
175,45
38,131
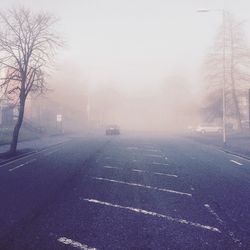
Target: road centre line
x,y
145,212
142,186
22,165
236,162
75,244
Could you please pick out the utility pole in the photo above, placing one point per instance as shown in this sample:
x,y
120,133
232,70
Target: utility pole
x,y
224,80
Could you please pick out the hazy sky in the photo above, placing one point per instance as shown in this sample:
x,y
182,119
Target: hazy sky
x,y
136,43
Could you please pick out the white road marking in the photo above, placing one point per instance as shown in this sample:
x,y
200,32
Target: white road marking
x,y
142,186
132,148
32,154
169,175
52,152
153,156
236,162
158,163
138,170
230,233
153,150
145,212
111,167
21,165
74,244
211,211
155,173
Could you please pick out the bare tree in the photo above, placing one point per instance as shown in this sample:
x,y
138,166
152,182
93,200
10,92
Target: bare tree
x,y
237,71
27,45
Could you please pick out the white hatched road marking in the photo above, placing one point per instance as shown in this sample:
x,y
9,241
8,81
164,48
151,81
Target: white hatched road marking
x,y
21,165
145,212
236,162
142,186
74,244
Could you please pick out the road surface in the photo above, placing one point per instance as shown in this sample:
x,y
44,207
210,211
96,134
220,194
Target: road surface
x,y
125,193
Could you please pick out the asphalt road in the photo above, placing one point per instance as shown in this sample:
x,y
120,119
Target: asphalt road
x,y
125,193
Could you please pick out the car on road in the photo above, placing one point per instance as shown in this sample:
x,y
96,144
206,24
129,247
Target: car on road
x,y
208,128
113,130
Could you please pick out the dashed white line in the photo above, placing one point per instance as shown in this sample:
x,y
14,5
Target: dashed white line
x,y
158,163
142,186
154,173
138,170
169,175
153,156
21,165
110,167
132,148
52,152
167,217
236,162
153,150
74,244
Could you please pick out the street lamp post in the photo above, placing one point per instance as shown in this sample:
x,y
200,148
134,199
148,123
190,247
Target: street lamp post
x,y
224,71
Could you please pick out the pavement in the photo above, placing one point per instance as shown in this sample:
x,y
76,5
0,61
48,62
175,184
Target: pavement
x,y
125,192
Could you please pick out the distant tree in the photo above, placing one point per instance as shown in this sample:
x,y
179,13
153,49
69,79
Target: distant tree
x,y
237,70
27,45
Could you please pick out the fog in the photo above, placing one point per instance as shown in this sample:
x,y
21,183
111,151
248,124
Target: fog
x,y
134,63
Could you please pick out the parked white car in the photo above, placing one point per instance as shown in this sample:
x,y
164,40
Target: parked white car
x,y
208,128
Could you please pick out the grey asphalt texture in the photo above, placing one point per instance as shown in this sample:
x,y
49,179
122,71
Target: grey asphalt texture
x,y
125,192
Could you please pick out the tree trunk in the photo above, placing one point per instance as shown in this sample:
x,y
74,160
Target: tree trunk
x,y
15,135
233,83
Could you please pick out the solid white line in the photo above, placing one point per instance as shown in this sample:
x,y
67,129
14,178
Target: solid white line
x,y
145,212
74,244
236,162
142,186
158,163
21,165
